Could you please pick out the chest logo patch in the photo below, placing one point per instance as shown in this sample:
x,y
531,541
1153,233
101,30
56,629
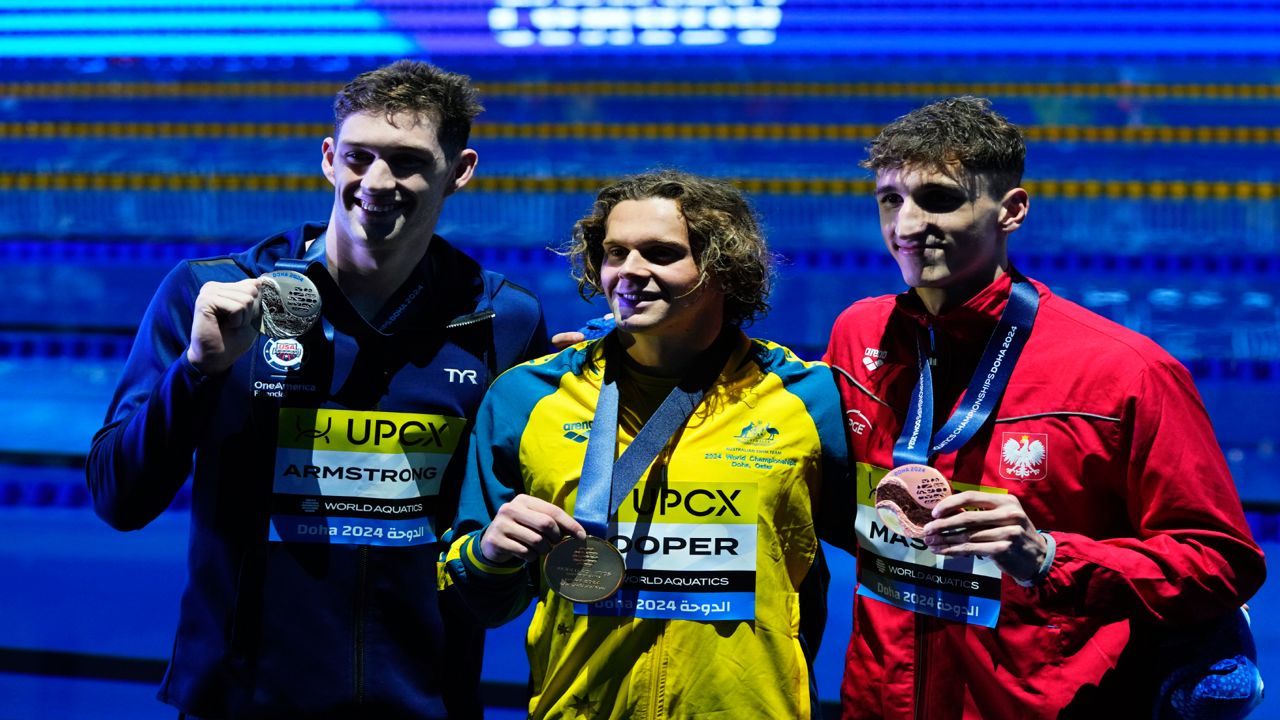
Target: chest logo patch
x,y
1024,456
283,355
757,432
873,358
578,432
858,422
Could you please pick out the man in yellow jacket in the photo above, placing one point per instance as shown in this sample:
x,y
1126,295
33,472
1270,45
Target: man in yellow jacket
x,y
656,490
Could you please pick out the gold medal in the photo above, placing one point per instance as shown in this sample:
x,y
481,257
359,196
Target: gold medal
x,y
906,496
585,571
290,304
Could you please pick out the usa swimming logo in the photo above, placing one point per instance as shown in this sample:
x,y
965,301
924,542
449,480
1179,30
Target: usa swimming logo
x,y
283,355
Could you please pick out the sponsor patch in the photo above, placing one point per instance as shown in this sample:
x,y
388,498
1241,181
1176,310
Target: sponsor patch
x,y
858,423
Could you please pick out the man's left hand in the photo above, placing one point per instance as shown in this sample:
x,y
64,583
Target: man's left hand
x,y
991,525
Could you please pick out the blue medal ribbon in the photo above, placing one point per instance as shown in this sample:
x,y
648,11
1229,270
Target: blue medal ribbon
x,y
985,387
337,305
604,483
313,264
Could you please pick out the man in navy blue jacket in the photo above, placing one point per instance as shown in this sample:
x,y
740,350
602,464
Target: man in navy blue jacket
x,y
325,458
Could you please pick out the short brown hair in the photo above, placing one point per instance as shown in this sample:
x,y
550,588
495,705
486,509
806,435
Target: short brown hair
x,y
448,99
962,130
724,234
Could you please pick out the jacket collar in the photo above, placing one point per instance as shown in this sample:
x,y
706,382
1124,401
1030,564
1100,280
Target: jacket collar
x,y
978,314
455,283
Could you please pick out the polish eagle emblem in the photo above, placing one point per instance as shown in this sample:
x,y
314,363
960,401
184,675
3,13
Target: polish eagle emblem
x,y
1023,456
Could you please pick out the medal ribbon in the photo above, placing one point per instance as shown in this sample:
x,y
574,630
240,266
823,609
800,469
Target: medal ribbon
x,y
602,479
313,254
985,387
335,301
312,265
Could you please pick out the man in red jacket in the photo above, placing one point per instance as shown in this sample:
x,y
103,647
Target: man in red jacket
x,y
1093,514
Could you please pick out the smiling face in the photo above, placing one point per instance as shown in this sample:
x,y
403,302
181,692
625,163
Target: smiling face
x,y
651,278
390,180
948,234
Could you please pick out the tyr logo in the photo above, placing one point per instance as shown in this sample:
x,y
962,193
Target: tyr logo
x,y
458,376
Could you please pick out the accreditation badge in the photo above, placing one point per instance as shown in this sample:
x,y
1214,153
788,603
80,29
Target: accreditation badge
x,y
689,550
349,477
901,571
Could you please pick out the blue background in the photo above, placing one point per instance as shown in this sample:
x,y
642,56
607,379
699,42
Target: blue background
x,y
134,133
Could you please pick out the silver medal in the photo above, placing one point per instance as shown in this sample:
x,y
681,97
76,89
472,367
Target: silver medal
x,y
290,304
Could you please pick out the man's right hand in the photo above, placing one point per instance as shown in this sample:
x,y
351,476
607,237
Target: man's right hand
x,y
526,528
225,324
594,328
563,340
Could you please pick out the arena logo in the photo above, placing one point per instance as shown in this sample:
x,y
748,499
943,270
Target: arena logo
x,y
571,431
873,358
622,23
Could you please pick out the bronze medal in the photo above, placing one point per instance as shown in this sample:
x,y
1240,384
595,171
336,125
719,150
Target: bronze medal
x,y
290,304
585,571
905,498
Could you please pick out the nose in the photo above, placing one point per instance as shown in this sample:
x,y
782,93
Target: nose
x,y
628,265
911,219
378,177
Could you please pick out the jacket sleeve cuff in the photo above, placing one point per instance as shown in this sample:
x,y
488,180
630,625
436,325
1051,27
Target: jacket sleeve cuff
x,y
473,558
1050,552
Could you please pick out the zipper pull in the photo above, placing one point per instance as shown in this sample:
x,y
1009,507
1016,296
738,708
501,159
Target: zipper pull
x,y
933,347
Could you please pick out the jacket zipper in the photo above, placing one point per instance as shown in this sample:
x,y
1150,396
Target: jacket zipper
x,y
656,701
358,631
472,319
918,705
918,709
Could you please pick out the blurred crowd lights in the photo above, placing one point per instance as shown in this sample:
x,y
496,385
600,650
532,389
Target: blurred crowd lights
x,y
621,23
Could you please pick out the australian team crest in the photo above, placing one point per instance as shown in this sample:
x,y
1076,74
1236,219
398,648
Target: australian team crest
x,y
757,433
283,355
1024,456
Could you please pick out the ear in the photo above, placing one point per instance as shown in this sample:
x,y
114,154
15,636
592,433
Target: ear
x,y
327,149
463,168
1013,209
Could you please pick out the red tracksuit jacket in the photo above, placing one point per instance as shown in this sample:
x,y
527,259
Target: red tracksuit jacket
x,y
1130,482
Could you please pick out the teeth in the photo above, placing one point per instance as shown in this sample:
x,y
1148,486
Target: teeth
x,y
371,207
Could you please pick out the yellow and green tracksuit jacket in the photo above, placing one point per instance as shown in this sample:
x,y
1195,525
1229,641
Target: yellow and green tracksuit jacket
x,y
723,603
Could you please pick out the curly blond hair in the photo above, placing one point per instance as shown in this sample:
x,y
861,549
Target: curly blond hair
x,y
724,234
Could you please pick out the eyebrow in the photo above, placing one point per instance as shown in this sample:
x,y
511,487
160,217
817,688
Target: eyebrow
x,y
892,187
646,240
386,148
